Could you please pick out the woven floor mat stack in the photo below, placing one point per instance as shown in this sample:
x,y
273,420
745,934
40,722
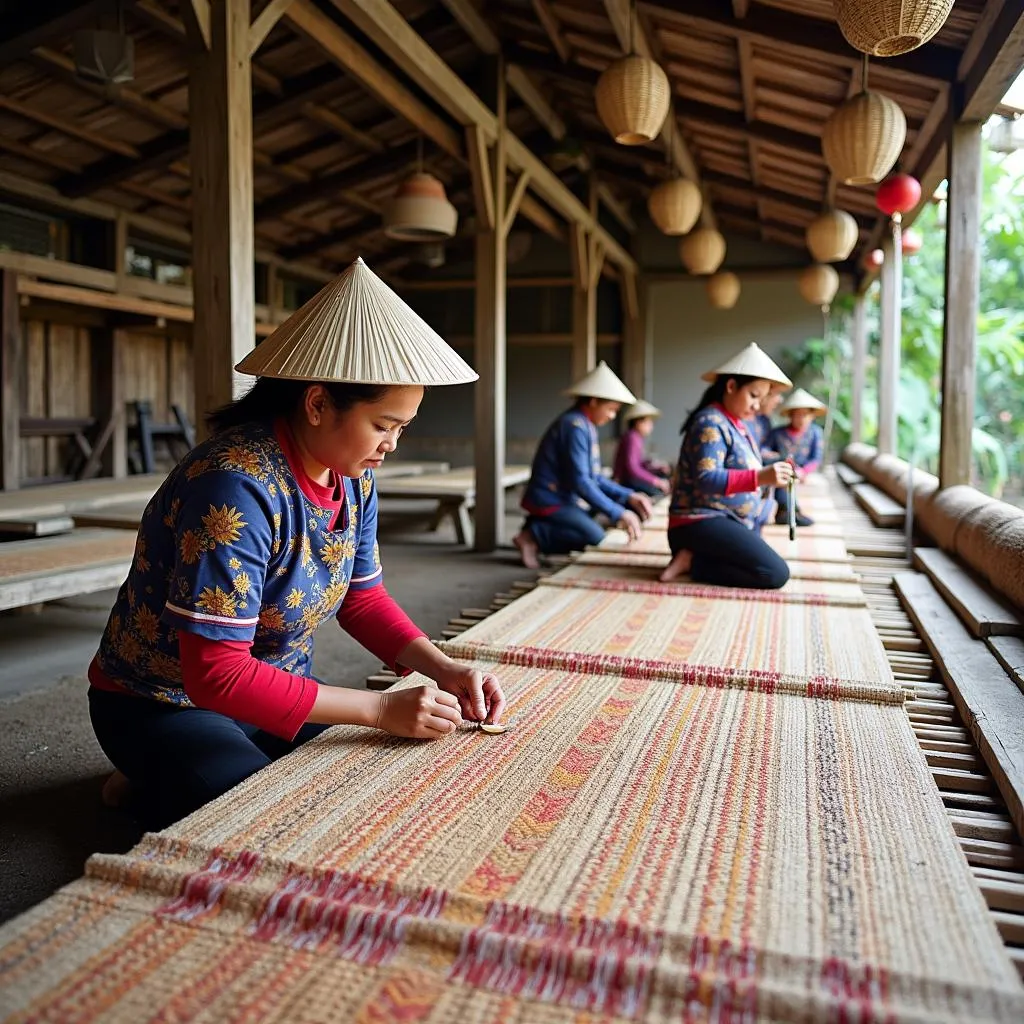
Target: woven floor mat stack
x,y
709,806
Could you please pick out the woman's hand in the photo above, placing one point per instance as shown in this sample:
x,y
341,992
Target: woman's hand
x,y
778,474
640,504
630,522
419,713
663,485
478,694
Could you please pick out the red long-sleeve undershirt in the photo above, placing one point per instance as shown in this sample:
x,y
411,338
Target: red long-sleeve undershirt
x,y
223,675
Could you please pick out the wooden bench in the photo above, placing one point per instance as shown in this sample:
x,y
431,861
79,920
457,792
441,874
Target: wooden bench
x,y
982,611
991,706
66,500
80,562
454,492
399,468
879,506
1009,650
848,475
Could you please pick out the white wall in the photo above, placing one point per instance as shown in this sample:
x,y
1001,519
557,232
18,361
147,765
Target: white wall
x,y
689,337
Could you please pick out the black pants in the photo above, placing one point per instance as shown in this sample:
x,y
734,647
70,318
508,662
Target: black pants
x,y
180,758
726,553
635,484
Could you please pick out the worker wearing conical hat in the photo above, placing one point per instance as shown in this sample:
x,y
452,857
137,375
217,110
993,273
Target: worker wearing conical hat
x,y
717,511
801,443
567,488
631,467
262,533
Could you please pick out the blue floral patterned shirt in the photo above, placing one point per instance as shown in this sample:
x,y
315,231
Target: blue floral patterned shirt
x,y
231,549
804,449
567,471
714,445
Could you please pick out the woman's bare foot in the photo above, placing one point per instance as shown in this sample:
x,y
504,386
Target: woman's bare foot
x,y
116,790
679,566
528,549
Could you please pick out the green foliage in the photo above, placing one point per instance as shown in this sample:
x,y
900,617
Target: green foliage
x,y
998,437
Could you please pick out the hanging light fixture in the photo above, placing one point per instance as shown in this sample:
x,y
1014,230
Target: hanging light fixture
x,y
912,241
419,211
633,96
897,195
104,56
818,284
864,136
723,290
832,236
874,259
702,251
675,204
887,28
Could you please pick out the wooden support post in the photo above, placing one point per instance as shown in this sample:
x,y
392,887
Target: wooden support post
x,y
220,82
889,349
963,277
860,355
10,381
587,260
489,188
109,398
634,337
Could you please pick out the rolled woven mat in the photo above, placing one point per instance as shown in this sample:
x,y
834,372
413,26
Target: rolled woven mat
x,y
990,539
799,640
940,515
628,851
636,580
805,548
841,571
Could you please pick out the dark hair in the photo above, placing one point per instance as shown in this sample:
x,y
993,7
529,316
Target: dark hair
x,y
715,393
271,397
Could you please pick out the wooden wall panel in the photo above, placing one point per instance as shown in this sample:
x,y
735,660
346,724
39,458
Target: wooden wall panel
x,y
33,395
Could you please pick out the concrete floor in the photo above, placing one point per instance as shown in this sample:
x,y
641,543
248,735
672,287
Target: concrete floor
x,y
51,768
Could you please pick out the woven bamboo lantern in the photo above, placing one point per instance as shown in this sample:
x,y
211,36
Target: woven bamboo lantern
x,y
886,28
863,138
632,97
702,251
674,206
818,284
832,236
723,290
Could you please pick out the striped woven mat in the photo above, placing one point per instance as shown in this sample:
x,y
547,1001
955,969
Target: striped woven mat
x,y
798,570
807,642
639,580
628,851
806,547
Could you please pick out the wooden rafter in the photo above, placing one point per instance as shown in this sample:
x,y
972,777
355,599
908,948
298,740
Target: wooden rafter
x,y
812,36
549,21
264,23
67,127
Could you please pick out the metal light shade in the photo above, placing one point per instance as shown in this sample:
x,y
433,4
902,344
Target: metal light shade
x,y
420,211
831,236
107,57
1007,136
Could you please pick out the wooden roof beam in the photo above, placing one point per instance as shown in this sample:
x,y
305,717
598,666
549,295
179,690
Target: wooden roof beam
x,y
549,22
393,34
619,14
812,36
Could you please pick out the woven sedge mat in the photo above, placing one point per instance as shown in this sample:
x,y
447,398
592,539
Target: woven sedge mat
x,y
629,850
836,649
633,579
839,571
806,547
79,549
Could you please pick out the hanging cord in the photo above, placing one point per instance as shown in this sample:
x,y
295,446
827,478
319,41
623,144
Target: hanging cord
x,y
864,74
632,19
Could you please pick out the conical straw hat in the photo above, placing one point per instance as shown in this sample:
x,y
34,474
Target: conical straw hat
x,y
641,411
602,383
751,362
356,329
801,399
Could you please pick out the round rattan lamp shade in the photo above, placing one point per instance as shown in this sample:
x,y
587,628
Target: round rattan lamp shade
x,y
723,290
674,206
702,251
818,284
632,98
863,138
832,236
420,211
886,28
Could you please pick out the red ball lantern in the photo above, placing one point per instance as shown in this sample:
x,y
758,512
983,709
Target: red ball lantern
x,y
874,259
898,194
912,241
